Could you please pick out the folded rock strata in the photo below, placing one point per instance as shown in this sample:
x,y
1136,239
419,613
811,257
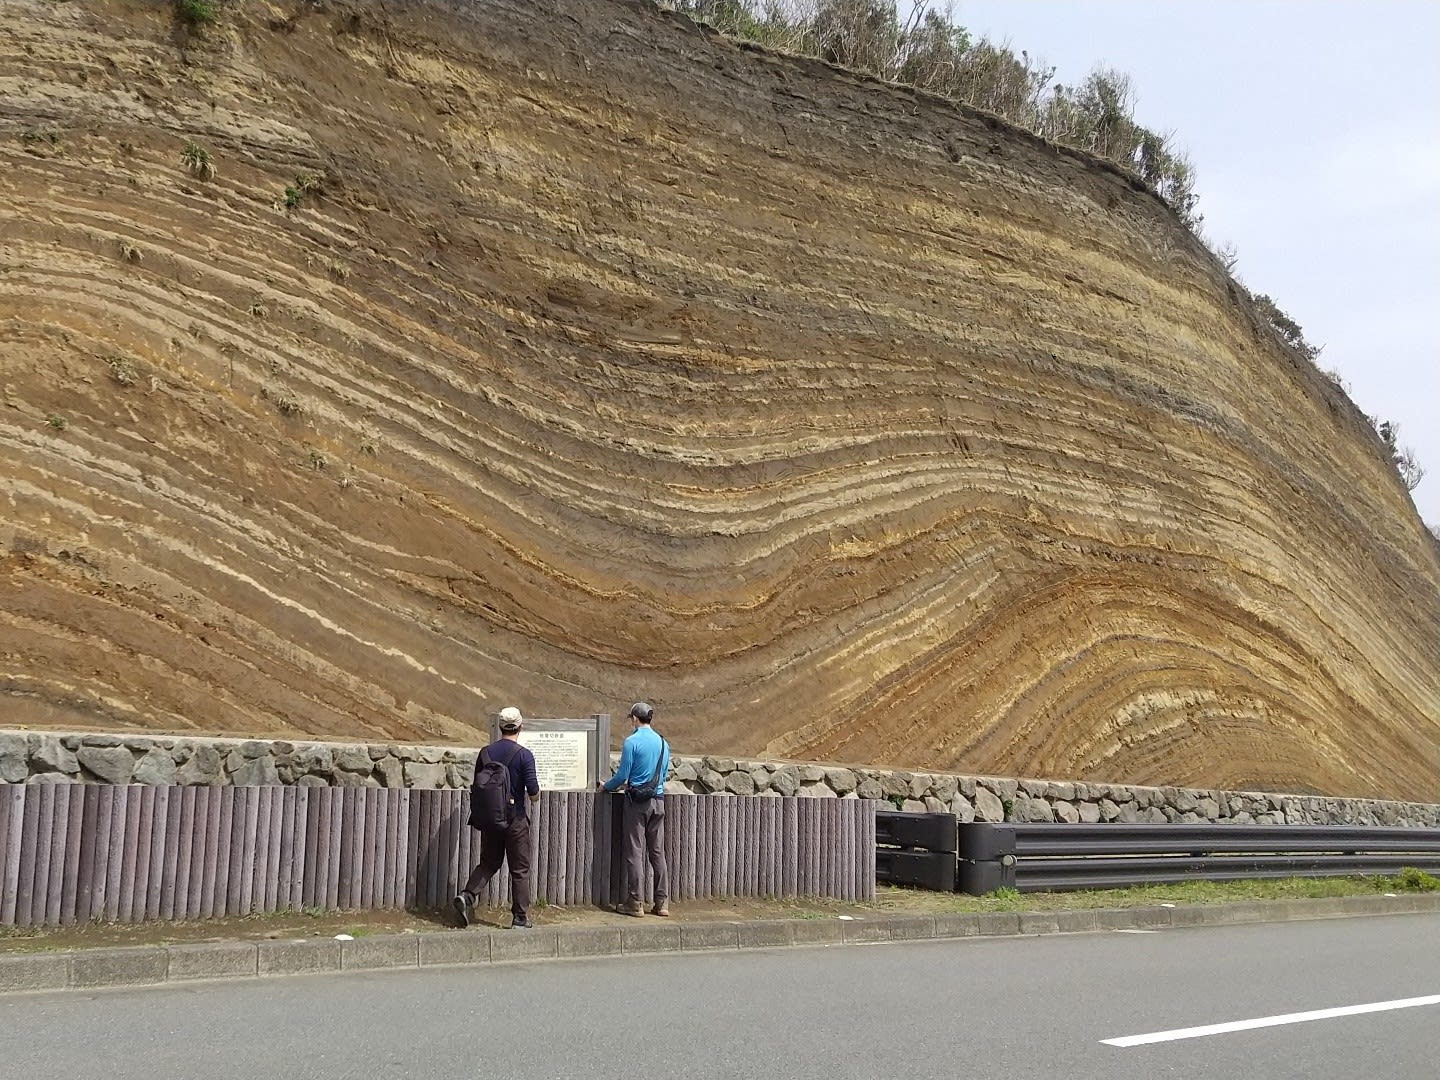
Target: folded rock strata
x,y
562,353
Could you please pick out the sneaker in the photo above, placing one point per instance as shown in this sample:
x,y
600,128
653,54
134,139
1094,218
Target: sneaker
x,y
521,922
662,909
634,910
464,909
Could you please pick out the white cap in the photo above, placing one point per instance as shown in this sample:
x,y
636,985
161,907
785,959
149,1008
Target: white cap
x,y
510,718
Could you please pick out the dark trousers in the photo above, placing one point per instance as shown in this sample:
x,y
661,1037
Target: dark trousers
x,y
511,843
644,828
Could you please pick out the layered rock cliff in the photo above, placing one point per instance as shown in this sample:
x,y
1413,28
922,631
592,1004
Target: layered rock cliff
x,y
559,353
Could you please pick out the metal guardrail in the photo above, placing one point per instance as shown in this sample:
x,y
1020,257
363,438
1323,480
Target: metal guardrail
x,y
1039,857
929,832
923,869
916,849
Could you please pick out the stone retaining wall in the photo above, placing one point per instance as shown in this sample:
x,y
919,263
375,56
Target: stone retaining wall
x,y
57,758
987,798
48,758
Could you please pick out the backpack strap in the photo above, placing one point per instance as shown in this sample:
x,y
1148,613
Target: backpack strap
x,y
488,760
659,761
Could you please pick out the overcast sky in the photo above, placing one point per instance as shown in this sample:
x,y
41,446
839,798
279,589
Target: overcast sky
x,y
1315,129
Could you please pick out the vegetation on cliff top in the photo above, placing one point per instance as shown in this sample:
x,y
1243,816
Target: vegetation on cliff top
x,y
928,50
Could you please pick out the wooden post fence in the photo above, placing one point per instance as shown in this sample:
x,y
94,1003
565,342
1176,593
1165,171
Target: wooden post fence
x,y
75,853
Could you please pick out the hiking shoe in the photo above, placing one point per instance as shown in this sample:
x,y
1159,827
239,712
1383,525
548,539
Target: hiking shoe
x,y
464,909
634,910
662,909
521,922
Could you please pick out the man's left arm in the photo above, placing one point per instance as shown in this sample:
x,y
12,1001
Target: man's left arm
x,y
532,781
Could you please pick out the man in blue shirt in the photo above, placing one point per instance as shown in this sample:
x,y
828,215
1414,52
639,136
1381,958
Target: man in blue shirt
x,y
644,764
511,843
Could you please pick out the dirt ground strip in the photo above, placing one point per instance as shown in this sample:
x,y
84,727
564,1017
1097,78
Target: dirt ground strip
x,y
888,901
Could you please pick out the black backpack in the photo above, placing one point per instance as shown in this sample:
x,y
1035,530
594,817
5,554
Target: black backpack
x,y
490,798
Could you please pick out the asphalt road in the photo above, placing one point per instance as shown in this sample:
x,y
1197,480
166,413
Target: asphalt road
x,y
1006,1009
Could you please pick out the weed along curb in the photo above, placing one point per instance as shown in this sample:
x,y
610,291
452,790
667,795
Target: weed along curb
x,y
150,965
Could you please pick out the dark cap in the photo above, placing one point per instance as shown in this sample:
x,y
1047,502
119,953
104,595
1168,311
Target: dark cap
x,y
642,712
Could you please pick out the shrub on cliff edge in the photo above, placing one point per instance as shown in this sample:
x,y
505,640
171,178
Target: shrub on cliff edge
x,y
197,13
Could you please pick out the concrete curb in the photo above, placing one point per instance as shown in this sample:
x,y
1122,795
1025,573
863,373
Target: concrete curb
x,y
151,965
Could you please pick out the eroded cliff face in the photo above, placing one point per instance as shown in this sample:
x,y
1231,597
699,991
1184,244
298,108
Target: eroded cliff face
x,y
609,360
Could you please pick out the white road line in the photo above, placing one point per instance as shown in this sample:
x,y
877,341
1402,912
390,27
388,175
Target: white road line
x,y
1270,1021
1135,931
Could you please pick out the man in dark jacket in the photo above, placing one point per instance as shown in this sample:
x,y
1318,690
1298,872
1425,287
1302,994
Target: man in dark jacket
x,y
511,843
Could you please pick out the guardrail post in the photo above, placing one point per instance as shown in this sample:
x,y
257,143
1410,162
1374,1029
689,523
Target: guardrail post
x,y
986,857
916,849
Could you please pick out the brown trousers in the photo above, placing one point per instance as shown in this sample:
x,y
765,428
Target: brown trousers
x,y
644,826
511,844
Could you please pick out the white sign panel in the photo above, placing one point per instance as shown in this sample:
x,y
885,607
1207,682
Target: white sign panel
x,y
560,758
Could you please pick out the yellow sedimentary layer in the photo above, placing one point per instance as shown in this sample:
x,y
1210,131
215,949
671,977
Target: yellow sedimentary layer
x,y
611,360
